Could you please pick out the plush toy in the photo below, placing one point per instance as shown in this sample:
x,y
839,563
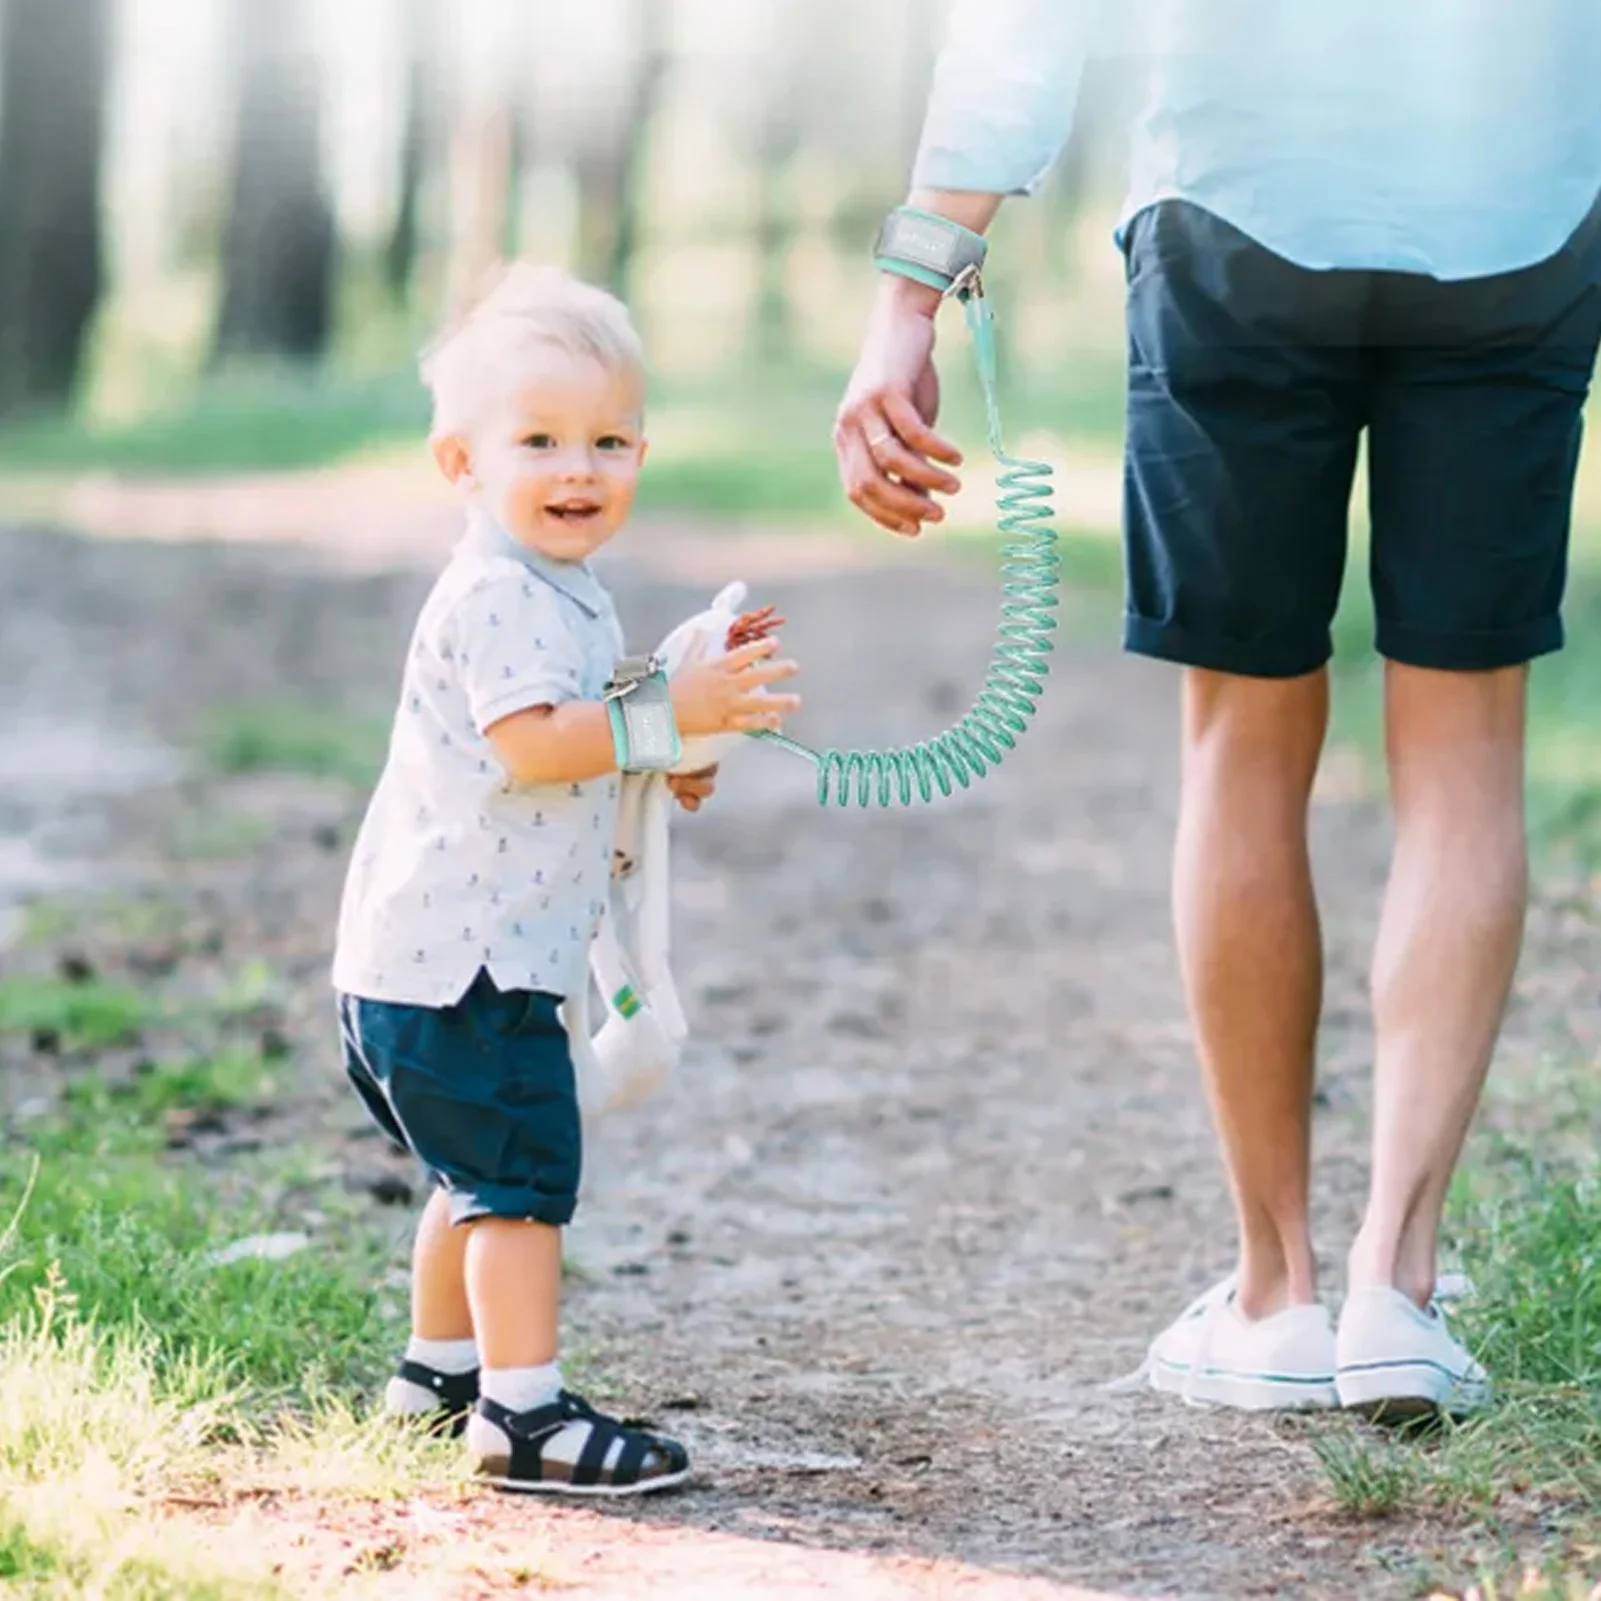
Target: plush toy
x,y
643,1033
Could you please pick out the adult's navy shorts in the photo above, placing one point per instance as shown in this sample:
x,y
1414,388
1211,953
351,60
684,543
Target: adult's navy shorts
x,y
1251,382
481,1092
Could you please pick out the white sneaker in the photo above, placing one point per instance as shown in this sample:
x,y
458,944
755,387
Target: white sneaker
x,y
1212,1354
1394,1359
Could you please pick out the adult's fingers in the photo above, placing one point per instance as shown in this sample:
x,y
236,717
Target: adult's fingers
x,y
863,482
891,455
886,453
908,423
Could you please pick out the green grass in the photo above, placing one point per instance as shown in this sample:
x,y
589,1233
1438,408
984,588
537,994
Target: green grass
x,y
755,442
81,1016
128,1230
132,1366
282,737
1528,1231
269,423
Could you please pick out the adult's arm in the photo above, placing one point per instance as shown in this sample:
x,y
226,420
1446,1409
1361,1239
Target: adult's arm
x,y
1000,109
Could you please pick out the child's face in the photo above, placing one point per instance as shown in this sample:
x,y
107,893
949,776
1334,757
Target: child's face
x,y
560,468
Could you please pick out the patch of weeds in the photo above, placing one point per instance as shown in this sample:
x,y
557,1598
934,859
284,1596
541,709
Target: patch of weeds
x,y
287,738
258,420
96,1426
23,1559
1529,1236
130,1232
1370,1478
47,921
133,1367
85,1016
248,990
209,836
212,1084
1509,1580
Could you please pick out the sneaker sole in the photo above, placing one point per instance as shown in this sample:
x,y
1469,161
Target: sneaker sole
x,y
1406,1391
1247,1392
604,1492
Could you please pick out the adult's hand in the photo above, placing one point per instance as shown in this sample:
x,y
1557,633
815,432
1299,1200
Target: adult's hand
x,y
884,435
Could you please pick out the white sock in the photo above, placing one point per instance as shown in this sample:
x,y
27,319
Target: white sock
x,y
403,1398
521,1390
443,1356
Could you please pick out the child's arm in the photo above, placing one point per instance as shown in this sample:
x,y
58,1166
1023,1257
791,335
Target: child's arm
x,y
572,742
565,744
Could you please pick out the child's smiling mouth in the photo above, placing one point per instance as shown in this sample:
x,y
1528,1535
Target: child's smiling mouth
x,y
573,511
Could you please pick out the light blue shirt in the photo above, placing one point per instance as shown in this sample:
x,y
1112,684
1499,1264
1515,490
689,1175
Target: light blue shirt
x,y
1456,138
455,867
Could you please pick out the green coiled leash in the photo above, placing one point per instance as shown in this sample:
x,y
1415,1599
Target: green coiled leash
x,y
1030,577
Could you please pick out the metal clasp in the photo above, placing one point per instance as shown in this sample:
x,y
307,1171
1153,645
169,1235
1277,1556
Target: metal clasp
x,y
629,674
966,282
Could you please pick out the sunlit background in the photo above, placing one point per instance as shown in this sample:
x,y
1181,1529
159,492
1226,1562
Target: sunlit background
x,y
939,1146
723,166
287,198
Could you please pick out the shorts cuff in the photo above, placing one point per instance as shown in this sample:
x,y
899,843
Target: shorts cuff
x,y
511,1201
1469,653
1247,658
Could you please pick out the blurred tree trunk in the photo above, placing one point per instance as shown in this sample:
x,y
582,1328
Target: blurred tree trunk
x,y
610,167
420,136
53,81
778,146
279,244
484,162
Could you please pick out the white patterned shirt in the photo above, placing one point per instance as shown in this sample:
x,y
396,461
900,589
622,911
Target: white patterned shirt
x,y
455,867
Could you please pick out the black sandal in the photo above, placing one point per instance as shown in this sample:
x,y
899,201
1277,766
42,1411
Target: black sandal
x,y
457,1392
645,1463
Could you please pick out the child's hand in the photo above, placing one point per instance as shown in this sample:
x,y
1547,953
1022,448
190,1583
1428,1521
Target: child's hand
x,y
724,697
691,789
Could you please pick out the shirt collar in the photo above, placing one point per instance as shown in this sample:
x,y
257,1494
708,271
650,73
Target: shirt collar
x,y
574,579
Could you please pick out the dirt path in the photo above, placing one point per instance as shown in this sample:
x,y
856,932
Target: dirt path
x,y
938,1164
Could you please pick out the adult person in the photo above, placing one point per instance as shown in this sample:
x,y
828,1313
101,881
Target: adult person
x,y
1364,216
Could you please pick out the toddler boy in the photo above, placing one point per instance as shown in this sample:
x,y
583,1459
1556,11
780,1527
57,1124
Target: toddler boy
x,y
482,863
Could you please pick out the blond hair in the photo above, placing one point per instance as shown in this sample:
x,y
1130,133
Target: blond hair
x,y
471,368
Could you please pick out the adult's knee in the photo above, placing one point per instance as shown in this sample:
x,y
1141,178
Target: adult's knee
x,y
1263,734
1456,739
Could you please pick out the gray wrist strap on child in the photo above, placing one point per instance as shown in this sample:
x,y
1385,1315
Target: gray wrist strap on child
x,y
639,704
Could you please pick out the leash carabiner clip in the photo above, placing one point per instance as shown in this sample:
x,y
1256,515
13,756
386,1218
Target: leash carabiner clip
x,y
629,674
967,283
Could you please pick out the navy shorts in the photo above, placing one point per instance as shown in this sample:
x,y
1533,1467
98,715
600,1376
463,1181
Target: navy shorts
x,y
481,1092
1251,381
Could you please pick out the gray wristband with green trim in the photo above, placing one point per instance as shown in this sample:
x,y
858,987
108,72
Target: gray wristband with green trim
x,y
640,706
929,248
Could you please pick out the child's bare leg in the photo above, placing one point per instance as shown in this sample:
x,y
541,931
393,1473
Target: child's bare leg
x,y
440,1369
513,1285
439,1308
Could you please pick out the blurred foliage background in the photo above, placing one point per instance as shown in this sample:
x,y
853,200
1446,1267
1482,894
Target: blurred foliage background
x,y
210,204
228,226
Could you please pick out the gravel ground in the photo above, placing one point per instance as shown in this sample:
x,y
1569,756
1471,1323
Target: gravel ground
x,y
937,1164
